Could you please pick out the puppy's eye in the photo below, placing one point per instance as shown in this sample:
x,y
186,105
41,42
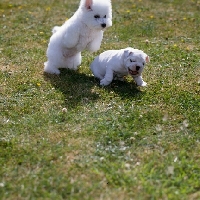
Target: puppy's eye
x,y
143,64
96,16
132,60
105,16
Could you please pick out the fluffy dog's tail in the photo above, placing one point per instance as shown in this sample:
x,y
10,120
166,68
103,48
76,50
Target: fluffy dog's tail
x,y
55,29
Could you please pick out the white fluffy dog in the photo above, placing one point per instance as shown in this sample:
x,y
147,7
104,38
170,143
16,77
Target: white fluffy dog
x,y
84,30
115,64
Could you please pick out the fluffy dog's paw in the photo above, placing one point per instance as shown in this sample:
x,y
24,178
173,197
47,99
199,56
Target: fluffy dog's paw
x,y
52,71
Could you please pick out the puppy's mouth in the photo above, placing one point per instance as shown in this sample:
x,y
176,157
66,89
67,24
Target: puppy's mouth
x,y
133,73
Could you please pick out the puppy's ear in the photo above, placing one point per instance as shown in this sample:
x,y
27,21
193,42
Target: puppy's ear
x,y
127,52
88,4
147,59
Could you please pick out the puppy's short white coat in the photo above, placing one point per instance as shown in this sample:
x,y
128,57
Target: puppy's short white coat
x,y
115,64
84,30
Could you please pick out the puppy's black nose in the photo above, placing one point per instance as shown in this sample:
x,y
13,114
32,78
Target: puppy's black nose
x,y
103,25
137,68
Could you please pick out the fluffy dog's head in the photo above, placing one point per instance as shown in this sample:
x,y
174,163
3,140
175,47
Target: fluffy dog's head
x,y
96,14
134,61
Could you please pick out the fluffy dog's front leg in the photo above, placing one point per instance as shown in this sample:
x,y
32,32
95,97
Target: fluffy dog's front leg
x,y
107,78
95,44
139,81
70,38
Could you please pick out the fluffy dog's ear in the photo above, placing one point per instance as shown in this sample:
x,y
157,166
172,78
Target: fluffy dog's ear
x,y
88,4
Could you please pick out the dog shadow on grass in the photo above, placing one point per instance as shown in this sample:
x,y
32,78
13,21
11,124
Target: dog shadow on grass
x,y
125,89
78,88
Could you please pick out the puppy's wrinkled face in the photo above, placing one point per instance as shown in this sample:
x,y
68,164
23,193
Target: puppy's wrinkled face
x,y
134,61
97,14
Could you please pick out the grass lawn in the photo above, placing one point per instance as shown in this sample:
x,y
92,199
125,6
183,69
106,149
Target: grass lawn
x,y
66,137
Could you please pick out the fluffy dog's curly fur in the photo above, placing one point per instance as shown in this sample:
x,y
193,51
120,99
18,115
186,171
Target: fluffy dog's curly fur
x,y
84,30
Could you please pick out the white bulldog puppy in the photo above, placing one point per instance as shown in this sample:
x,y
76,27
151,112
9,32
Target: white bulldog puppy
x,y
115,64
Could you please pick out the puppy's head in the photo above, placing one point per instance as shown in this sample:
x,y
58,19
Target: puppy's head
x,y
96,14
134,61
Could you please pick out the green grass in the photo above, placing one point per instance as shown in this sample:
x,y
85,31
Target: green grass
x,y
116,142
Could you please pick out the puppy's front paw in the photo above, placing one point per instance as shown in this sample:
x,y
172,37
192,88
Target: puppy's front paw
x,y
143,84
103,82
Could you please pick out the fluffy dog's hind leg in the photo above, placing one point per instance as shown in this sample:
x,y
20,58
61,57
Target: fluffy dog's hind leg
x,y
74,61
50,68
